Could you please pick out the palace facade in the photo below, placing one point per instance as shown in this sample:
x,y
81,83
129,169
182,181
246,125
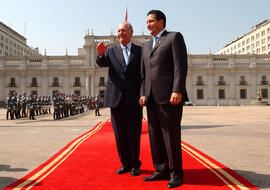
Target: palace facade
x,y
212,79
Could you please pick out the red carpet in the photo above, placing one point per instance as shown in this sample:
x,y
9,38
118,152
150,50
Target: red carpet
x,y
90,161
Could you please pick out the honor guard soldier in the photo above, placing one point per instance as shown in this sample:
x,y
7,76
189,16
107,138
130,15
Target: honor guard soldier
x,y
32,106
38,108
24,103
10,106
49,103
19,106
36,104
97,105
56,101
15,105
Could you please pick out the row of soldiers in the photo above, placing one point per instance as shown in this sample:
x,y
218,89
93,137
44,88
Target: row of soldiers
x,y
69,105
23,106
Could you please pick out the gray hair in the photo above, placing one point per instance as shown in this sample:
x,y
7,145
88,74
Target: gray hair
x,y
128,24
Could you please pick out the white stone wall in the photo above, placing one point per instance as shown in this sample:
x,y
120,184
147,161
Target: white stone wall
x,y
66,68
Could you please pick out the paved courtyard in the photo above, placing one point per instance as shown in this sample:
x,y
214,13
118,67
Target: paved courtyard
x,y
238,137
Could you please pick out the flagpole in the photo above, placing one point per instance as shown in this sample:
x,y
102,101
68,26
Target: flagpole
x,y
126,16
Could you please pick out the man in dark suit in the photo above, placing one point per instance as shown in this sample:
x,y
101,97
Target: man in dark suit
x,y
163,91
122,95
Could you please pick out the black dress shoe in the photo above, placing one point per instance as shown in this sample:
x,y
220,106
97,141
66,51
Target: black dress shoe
x,y
175,183
157,177
123,170
135,172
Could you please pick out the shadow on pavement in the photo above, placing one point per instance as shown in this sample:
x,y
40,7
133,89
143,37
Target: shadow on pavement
x,y
185,127
262,181
7,168
5,181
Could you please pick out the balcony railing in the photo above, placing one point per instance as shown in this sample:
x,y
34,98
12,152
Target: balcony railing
x,y
199,83
101,84
55,84
243,82
264,82
221,83
12,85
33,85
77,84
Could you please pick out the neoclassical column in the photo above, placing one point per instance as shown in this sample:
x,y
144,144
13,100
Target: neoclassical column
x,y
88,79
232,83
23,81
3,92
67,80
232,88
93,77
253,85
44,84
253,78
210,88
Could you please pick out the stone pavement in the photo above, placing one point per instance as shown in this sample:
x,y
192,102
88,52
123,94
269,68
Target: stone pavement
x,y
238,137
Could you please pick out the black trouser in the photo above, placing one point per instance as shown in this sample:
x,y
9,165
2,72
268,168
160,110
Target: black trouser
x,y
127,125
24,112
97,111
164,122
32,113
11,113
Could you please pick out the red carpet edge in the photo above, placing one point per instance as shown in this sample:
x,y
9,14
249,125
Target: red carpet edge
x,y
230,178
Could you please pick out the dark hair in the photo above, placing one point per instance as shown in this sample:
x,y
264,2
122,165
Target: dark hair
x,y
159,16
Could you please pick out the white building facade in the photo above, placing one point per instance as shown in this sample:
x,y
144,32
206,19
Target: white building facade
x,y
257,41
211,80
14,44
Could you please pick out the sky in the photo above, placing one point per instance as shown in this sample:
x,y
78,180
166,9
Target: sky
x,y
57,25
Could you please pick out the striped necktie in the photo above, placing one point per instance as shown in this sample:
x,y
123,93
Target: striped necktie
x,y
154,41
125,49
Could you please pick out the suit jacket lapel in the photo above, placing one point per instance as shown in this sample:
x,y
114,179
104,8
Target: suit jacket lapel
x,y
160,40
132,52
120,57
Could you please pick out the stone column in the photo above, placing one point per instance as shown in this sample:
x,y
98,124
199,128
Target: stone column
x,y
3,92
66,82
232,89
252,91
93,77
210,88
23,82
44,84
88,84
232,83
22,75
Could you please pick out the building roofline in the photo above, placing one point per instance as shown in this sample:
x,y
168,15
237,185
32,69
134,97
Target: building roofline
x,y
1,23
254,28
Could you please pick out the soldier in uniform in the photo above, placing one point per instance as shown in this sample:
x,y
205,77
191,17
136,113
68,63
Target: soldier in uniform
x,y
38,104
32,106
61,105
35,104
49,103
97,105
19,106
15,105
24,103
10,106
56,101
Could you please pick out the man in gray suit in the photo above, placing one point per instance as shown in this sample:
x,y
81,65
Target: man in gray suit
x,y
163,91
122,95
